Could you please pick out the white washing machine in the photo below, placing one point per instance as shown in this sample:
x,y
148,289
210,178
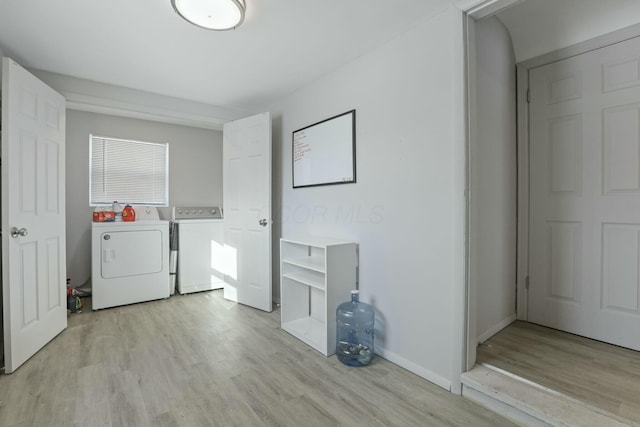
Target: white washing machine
x,y
200,248
130,262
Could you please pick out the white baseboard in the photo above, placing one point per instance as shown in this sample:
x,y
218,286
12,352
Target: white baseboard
x,y
496,328
428,375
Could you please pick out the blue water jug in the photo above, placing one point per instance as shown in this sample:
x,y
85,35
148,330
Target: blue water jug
x,y
354,338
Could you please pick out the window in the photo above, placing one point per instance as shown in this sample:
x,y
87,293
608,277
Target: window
x,y
128,171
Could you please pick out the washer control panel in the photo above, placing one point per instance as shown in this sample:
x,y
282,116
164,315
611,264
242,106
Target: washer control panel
x,y
196,212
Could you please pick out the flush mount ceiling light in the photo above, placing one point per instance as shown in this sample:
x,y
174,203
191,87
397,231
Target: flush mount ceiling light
x,y
211,14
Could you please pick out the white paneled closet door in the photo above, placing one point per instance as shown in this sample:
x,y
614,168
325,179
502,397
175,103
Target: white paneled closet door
x,y
33,214
585,195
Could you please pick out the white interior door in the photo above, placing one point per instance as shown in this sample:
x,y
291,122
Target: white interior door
x,y
33,214
247,210
585,195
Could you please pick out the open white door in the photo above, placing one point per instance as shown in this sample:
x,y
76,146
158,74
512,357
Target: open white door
x,y
33,214
247,210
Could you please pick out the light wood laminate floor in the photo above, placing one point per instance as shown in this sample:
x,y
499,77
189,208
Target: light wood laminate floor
x,y
198,360
602,375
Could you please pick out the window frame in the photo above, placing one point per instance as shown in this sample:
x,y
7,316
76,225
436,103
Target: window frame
x,y
165,145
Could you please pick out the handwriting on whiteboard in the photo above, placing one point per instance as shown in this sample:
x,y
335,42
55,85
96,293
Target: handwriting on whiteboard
x,y
300,145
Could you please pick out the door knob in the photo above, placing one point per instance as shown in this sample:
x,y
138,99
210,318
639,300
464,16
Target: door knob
x,y
15,233
263,222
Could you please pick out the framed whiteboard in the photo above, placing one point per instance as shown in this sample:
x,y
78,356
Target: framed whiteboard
x,y
324,153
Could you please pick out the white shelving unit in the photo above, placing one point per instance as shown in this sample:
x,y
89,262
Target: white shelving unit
x,y
316,275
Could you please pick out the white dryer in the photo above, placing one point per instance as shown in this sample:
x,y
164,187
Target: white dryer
x,y
130,262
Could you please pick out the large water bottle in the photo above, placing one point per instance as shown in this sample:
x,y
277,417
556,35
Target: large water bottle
x,y
354,338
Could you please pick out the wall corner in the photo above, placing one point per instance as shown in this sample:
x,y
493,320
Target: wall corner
x,y
459,208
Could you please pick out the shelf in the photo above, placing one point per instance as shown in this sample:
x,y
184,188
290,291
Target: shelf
x,y
316,275
309,330
312,263
317,242
306,278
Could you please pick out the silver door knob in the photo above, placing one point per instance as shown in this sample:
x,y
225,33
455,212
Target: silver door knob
x,y
15,233
263,222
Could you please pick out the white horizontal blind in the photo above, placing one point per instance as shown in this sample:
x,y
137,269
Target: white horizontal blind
x,y
128,171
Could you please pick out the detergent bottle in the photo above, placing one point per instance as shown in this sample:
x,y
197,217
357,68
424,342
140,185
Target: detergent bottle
x,y
128,213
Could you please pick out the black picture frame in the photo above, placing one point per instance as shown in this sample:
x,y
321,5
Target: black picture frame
x,y
324,153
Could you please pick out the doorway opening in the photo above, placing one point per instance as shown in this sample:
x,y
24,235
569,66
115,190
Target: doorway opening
x,y
589,372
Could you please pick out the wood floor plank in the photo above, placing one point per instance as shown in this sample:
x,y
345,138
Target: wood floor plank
x,y
199,360
92,397
602,375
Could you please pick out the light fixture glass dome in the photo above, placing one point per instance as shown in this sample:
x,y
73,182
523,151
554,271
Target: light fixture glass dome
x,y
211,14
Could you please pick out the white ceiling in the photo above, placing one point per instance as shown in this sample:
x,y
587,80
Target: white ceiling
x,y
282,46
143,44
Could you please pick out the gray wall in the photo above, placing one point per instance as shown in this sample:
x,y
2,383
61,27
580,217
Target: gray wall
x,y
1,56
493,173
195,173
538,27
406,210
1,297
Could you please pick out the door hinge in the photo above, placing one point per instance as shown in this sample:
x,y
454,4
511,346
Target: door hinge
x,y
526,283
528,96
